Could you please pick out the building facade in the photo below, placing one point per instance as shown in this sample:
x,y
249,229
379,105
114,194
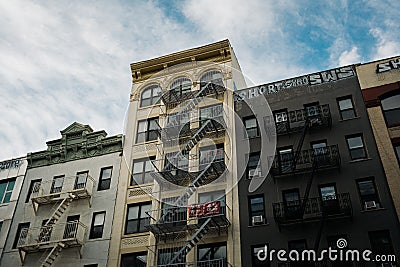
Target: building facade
x,y
380,85
326,181
176,193
12,173
65,210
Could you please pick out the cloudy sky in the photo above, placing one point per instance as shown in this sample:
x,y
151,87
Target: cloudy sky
x,y
66,61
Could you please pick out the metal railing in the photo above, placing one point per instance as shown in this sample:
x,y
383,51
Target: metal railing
x,y
324,158
338,205
206,263
44,191
293,121
73,233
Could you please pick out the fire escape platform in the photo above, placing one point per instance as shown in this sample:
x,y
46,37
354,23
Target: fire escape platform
x,y
42,246
80,193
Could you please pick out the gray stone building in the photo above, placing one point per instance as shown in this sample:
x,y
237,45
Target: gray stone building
x,y
12,173
65,210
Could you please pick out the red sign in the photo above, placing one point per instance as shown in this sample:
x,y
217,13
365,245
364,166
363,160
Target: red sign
x,y
204,209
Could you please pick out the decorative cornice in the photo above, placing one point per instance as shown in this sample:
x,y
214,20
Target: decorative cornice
x,y
215,52
77,141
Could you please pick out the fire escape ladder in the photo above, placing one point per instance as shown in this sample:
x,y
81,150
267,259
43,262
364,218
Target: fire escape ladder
x,y
191,243
308,189
320,229
58,212
301,141
51,257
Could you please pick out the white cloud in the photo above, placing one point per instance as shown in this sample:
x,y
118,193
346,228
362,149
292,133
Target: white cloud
x,y
349,57
385,46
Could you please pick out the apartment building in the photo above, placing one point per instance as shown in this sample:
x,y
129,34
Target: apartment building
x,y
380,85
326,181
12,173
176,193
64,214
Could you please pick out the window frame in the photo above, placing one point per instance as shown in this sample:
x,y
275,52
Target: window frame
x,y
7,194
252,212
250,167
31,188
94,232
341,111
53,189
385,111
141,222
179,86
247,136
100,186
154,100
352,136
148,132
77,179
143,173
365,198
135,255
20,227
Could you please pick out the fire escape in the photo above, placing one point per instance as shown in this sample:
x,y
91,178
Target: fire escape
x,y
307,163
54,236
175,222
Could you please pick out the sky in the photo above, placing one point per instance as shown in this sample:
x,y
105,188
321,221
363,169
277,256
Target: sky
x,y
66,61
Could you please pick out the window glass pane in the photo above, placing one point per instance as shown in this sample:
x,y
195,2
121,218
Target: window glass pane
x,y
153,124
251,123
137,167
391,102
7,197
355,142
142,126
144,209
106,173
156,91
366,187
328,192
345,104
146,102
397,148
281,116
133,212
149,166
146,93
3,187
99,219
348,114
10,185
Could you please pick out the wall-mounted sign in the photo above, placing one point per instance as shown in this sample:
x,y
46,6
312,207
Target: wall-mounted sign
x,y
204,209
14,163
388,65
318,78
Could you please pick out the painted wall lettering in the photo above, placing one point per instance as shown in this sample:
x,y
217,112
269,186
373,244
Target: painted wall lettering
x,y
389,65
311,79
14,163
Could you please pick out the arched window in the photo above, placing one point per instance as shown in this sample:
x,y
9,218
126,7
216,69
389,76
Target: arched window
x,y
151,95
181,86
213,76
391,110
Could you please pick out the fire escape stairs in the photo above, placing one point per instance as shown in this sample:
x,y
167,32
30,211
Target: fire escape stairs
x,y
51,257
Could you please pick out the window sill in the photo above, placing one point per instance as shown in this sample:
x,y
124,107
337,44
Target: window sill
x,y
359,160
258,225
151,106
135,234
371,210
5,204
343,120
139,185
147,142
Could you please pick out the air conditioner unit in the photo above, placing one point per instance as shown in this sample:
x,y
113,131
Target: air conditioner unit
x,y
369,205
256,220
255,172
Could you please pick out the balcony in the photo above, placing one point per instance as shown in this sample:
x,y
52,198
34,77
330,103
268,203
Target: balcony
x,y
320,159
182,219
335,207
293,121
49,192
207,263
71,234
172,98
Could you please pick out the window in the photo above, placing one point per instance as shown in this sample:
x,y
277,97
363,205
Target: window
x,y
381,242
214,112
397,150
180,87
81,179
45,231
391,110
151,96
105,178
33,188
253,166
137,218
251,127
281,121
291,203
147,130
312,109
141,170
330,202
179,214
97,228
213,76
138,259
299,246
167,254
1,225
327,192
21,235
254,256
6,188
257,210
56,186
71,227
346,108
285,159
209,154
356,147
212,253
320,153
368,193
